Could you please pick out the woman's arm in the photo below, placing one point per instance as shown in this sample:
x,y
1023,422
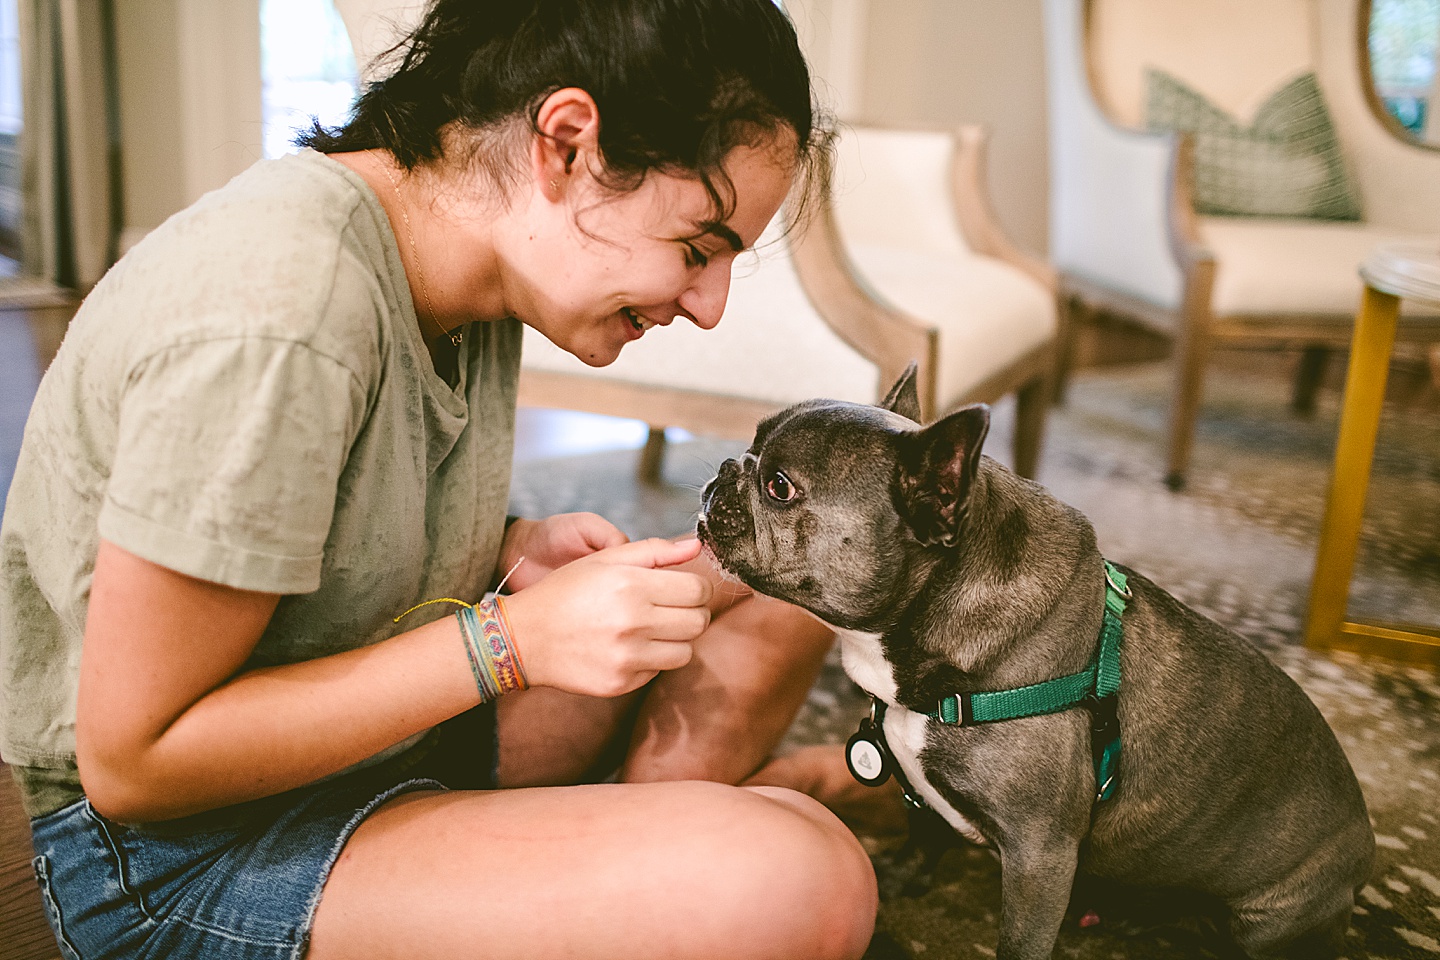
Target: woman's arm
x,y
166,727
163,730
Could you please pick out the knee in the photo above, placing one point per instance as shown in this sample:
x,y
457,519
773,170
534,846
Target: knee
x,y
814,869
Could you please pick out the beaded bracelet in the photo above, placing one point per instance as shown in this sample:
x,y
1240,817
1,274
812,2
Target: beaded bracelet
x,y
489,642
490,647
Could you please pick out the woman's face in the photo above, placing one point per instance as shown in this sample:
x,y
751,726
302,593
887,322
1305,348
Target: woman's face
x,y
600,269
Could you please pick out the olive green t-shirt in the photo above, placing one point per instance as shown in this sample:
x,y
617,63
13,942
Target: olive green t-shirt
x,y
246,398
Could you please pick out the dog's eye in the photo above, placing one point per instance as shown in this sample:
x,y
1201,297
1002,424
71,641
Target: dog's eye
x,y
780,488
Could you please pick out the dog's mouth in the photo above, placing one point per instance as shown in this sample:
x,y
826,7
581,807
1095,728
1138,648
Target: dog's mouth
x,y
707,550
706,532
710,550
707,539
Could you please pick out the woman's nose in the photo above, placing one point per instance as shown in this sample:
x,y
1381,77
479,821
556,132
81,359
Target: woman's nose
x,y
704,301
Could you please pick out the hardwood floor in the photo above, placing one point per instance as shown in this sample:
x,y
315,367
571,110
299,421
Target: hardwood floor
x,y
24,933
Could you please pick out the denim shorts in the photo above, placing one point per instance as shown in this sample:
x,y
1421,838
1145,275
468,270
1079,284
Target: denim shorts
x,y
241,883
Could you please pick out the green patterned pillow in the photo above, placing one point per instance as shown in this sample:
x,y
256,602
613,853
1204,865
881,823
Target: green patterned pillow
x,y
1286,164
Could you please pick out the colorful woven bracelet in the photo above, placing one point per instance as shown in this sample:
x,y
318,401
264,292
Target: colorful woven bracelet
x,y
490,647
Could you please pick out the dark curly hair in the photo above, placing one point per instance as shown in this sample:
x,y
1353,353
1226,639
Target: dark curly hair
x,y
678,84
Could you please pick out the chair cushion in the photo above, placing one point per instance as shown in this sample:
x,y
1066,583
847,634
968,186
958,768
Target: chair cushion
x,y
989,313
892,188
1286,164
771,345
1272,266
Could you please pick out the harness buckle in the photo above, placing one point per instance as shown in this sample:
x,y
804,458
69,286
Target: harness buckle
x,y
1104,715
1123,590
955,708
1104,741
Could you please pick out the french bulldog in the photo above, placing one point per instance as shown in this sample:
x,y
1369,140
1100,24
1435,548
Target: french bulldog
x,y
944,574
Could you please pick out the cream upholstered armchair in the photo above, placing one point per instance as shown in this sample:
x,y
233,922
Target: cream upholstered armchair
x,y
904,263
1125,235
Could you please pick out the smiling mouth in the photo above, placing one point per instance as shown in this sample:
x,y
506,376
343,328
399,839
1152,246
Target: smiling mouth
x,y
636,320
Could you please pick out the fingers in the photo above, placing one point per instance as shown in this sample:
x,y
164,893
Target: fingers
x,y
665,655
725,591
653,553
674,588
676,623
597,532
610,620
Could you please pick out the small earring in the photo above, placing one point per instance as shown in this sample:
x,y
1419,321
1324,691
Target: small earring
x,y
554,186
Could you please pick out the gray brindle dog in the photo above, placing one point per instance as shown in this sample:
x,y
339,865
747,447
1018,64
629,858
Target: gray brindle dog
x,y
944,573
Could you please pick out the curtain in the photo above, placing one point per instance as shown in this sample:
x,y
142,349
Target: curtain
x,y
69,145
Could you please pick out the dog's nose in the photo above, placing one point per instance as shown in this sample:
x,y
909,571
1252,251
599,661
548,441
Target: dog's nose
x,y
721,512
707,496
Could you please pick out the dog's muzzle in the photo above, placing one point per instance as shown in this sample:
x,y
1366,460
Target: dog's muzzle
x,y
722,514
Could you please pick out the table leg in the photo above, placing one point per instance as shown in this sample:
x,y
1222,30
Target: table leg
x,y
1370,350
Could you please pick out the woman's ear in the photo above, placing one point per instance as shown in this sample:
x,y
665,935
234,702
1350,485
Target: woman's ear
x,y
569,138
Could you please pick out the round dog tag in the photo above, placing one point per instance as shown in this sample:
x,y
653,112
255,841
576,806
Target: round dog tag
x,y
866,760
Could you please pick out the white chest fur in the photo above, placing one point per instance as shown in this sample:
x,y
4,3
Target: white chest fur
x,y
864,660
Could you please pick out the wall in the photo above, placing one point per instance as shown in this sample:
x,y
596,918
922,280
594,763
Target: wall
x,y
148,72
833,36
947,62
189,78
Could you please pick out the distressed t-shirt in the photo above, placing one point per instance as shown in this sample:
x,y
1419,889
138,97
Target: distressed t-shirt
x,y
246,398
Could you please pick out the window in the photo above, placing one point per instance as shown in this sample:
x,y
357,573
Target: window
x,y
1404,35
307,69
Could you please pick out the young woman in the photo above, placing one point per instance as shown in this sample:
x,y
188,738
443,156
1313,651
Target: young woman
x,y
285,419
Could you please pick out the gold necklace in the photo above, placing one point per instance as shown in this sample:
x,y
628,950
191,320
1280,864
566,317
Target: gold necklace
x,y
453,335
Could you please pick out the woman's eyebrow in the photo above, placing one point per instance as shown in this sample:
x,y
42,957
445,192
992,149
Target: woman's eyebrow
x,y
721,230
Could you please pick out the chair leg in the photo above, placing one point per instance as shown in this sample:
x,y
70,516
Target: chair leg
x,y
1192,348
1070,309
652,456
1032,402
1308,378
1191,352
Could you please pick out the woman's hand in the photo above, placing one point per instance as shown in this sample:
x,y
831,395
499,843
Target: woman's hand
x,y
549,544
607,623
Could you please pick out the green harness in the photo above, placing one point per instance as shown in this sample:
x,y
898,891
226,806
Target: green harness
x,y
1096,688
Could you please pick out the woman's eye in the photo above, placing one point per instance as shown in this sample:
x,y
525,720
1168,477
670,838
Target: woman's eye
x,y
780,488
693,256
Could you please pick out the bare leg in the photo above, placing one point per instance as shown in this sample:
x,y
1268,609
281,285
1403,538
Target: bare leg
x,y
553,739
720,717
550,738
820,772
672,870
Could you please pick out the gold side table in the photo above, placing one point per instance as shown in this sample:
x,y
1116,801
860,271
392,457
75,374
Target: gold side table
x,y
1392,273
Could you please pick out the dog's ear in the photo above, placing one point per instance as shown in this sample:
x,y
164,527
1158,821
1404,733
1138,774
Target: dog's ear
x,y
904,397
935,470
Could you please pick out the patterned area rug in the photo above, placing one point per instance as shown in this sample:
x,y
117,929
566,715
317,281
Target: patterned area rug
x,y
1238,545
